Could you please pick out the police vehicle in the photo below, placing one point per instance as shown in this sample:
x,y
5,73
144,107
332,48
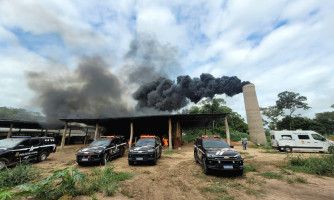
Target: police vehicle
x,y
102,150
17,149
213,153
147,149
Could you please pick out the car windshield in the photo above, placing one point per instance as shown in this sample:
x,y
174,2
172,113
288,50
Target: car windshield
x,y
215,144
102,143
9,143
145,142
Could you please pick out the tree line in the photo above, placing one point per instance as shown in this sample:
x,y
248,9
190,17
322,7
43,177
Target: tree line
x,y
281,115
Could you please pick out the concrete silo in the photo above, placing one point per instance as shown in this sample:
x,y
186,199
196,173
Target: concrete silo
x,y
254,119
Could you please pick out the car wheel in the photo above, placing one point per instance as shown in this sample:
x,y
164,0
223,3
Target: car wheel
x,y
195,157
205,167
42,156
288,149
239,172
3,163
122,152
104,159
331,149
131,162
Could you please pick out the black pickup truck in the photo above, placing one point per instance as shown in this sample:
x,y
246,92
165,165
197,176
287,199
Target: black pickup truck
x,y
14,150
213,153
147,149
102,150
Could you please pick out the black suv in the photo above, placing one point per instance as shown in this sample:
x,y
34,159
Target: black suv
x,y
147,149
14,150
102,150
214,153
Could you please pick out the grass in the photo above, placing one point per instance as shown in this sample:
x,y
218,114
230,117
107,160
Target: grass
x,y
272,175
251,167
322,166
214,189
169,152
22,173
71,182
297,179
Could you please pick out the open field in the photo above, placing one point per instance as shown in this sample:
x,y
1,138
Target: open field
x,y
177,176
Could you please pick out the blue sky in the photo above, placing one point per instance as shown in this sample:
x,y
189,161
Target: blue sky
x,y
277,45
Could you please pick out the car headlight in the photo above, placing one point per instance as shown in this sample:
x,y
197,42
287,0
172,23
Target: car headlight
x,y
210,155
238,155
131,150
150,150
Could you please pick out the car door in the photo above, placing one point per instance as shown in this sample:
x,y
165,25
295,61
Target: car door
x,y
319,141
114,147
22,151
199,150
35,148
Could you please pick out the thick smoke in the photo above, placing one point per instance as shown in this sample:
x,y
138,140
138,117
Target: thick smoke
x,y
90,91
163,94
147,60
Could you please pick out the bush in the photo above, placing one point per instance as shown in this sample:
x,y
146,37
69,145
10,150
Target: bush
x,y
323,166
71,182
20,174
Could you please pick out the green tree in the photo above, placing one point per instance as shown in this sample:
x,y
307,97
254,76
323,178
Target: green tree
x,y
304,123
291,101
218,106
273,114
20,114
326,119
332,106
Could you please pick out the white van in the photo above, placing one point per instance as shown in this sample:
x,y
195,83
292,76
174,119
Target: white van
x,y
300,140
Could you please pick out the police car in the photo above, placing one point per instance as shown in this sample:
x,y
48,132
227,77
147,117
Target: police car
x,y
102,150
213,153
17,149
147,149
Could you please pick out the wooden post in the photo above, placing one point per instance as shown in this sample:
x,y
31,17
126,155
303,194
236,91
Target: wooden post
x,y
205,130
131,135
46,132
96,131
228,138
85,141
64,136
170,134
10,130
69,137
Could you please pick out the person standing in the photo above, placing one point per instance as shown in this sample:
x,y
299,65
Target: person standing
x,y
244,143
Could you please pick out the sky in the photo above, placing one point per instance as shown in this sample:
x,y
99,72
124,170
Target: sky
x,y
277,45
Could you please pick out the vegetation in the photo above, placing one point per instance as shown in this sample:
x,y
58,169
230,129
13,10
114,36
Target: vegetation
x,y
323,166
289,101
69,183
169,152
272,175
22,173
237,126
20,114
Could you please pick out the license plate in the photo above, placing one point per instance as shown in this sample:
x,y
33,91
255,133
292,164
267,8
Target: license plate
x,y
228,166
139,158
84,159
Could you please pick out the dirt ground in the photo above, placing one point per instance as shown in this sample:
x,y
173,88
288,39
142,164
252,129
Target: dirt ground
x,y
177,176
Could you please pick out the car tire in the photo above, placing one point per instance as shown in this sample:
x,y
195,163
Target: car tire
x,y
131,162
331,149
239,172
205,167
104,159
42,156
121,154
195,157
3,163
288,149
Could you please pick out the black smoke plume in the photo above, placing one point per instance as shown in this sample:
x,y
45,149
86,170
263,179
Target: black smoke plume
x,y
90,91
163,94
